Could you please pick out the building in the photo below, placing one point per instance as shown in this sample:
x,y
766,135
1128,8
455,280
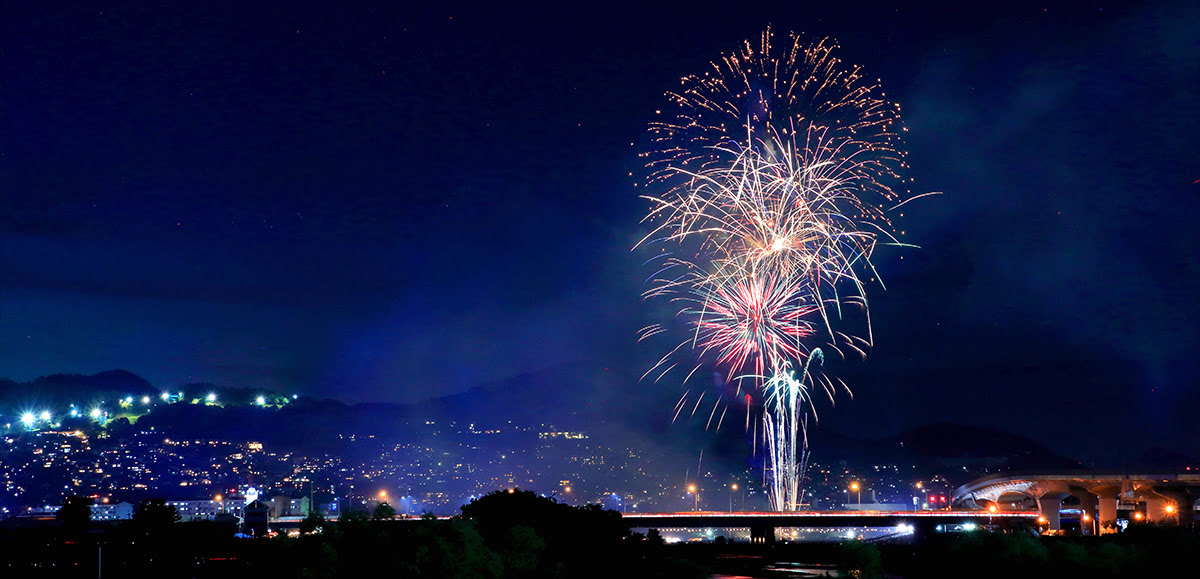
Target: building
x,y
112,512
204,510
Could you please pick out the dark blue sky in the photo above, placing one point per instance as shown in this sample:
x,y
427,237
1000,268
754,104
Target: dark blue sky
x,y
380,202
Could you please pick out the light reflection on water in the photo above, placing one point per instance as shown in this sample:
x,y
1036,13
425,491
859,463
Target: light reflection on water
x,y
785,570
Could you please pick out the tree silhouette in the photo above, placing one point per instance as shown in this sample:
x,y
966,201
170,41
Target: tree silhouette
x,y
76,513
312,522
383,511
560,540
155,515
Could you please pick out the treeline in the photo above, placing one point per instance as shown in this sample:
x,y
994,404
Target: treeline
x,y
1141,551
502,535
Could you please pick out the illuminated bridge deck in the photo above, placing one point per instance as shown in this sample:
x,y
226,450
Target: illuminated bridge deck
x,y
815,519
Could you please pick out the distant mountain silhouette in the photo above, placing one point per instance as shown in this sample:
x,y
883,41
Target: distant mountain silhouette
x,y
943,447
581,395
949,442
1159,459
63,389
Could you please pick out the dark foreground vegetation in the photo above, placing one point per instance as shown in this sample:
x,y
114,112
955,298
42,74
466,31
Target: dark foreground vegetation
x,y
501,535
520,534
1141,551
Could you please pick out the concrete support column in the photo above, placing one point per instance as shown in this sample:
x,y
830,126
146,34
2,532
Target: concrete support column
x,y
1107,510
1089,523
923,529
762,535
1156,509
1048,505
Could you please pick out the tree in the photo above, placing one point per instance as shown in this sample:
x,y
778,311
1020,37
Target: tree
x,y
860,560
383,511
76,513
312,522
567,537
655,538
155,514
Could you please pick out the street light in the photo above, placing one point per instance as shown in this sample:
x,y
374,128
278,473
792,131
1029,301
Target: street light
x,y
858,490
732,487
696,503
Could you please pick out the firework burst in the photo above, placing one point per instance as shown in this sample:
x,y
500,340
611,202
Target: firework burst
x,y
777,169
801,91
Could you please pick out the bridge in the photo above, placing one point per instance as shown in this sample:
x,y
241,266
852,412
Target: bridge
x,y
1156,497
762,525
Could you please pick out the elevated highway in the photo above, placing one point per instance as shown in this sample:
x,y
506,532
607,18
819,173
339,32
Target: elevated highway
x,y
1156,497
762,525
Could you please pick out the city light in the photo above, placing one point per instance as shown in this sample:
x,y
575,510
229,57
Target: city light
x,y
165,396
145,400
211,397
261,401
992,509
94,413
27,418
1170,509
45,415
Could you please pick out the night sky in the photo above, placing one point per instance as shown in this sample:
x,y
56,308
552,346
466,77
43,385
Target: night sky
x,y
386,202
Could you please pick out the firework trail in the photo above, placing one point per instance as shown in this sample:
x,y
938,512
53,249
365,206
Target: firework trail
x,y
776,172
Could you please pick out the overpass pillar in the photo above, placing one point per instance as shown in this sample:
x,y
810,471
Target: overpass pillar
x,y
762,535
1156,508
1107,510
1089,520
1048,505
923,529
